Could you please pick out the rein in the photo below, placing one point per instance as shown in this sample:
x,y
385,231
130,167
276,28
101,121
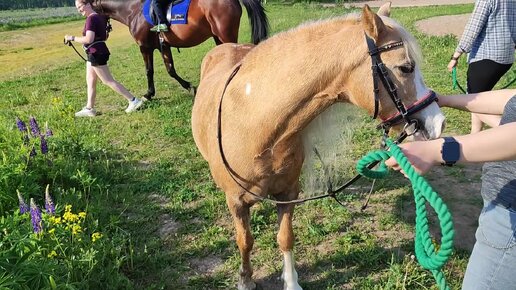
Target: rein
x,y
234,175
379,71
76,51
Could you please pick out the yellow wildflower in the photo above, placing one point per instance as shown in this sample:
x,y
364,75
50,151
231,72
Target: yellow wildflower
x,y
70,217
52,254
51,231
95,236
55,220
82,214
76,229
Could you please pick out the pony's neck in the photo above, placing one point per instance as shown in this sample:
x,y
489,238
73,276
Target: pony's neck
x,y
307,71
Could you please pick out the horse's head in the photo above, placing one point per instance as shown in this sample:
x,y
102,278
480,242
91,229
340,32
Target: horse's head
x,y
398,95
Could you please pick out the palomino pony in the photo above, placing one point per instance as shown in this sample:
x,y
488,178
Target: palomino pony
x,y
254,103
217,19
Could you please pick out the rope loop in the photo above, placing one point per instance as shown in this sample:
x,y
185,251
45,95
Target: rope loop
x,y
429,256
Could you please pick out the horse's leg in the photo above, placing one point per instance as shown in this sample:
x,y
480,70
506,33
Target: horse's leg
x,y
286,243
169,64
241,217
147,54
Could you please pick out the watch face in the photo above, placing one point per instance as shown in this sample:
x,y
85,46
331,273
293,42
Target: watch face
x,y
451,151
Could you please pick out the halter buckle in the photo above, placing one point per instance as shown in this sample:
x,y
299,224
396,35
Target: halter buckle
x,y
411,127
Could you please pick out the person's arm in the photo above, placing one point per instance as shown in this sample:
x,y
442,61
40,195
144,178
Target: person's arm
x,y
495,144
476,23
491,102
87,39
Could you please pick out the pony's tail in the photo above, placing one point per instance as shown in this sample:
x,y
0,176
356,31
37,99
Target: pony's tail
x,y
258,19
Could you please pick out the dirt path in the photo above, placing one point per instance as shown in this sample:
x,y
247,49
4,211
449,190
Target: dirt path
x,y
439,26
409,3
443,25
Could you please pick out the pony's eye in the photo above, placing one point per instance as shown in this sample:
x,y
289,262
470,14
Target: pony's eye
x,y
408,68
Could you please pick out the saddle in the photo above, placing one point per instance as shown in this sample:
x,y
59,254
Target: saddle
x,y
177,12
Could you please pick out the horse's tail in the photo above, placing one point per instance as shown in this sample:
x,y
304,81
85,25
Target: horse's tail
x,y
258,19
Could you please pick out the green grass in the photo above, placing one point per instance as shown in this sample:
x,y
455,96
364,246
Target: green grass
x,y
25,18
148,190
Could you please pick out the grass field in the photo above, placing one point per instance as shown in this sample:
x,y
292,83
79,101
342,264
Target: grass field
x,y
25,18
144,187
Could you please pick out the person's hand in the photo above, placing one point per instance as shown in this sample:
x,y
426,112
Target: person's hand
x,y
453,63
423,155
69,38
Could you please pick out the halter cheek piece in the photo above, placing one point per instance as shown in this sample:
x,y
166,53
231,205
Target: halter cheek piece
x,y
379,70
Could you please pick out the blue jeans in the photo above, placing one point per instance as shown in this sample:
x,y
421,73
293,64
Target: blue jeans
x,y
492,264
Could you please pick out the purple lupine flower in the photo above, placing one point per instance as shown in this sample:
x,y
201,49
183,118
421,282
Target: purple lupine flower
x,y
48,132
21,125
34,127
50,208
35,216
43,144
23,206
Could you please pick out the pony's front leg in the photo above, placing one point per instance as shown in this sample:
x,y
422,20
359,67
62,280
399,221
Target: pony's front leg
x,y
241,217
169,64
147,54
286,244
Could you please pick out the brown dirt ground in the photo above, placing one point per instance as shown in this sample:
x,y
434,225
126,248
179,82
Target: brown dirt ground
x,y
443,25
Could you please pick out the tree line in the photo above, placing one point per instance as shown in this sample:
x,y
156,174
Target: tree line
x,y
26,4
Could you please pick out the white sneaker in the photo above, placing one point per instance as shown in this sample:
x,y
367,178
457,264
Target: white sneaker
x,y
134,105
85,112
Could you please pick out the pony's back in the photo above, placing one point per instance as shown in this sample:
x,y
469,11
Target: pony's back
x,y
223,57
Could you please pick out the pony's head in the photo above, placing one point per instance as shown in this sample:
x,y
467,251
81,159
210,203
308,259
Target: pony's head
x,y
393,85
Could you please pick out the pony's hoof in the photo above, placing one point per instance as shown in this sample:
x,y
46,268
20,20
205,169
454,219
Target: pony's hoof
x,y
294,287
193,90
246,285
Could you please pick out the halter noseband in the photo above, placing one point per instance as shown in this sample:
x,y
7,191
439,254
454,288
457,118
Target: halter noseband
x,y
379,70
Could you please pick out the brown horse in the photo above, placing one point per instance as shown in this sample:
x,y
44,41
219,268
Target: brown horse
x,y
254,104
218,19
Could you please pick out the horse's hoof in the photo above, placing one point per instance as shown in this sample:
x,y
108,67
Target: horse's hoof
x,y
148,96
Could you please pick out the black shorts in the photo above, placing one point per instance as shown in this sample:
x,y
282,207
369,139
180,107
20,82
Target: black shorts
x,y
484,74
98,59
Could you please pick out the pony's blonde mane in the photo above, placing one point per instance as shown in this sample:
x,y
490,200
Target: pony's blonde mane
x,y
409,42
331,132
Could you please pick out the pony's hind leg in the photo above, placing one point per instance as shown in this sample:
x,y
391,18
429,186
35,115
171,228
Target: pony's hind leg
x,y
169,64
286,244
241,217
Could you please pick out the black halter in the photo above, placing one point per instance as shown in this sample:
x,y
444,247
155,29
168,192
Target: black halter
x,y
380,71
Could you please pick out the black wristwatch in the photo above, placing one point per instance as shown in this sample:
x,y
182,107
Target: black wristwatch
x,y
450,151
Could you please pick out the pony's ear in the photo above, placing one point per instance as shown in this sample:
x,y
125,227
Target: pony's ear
x,y
372,23
385,10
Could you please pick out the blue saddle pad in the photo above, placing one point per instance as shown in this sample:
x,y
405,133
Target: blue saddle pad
x,y
176,13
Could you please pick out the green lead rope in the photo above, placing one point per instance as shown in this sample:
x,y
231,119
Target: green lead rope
x,y
427,255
